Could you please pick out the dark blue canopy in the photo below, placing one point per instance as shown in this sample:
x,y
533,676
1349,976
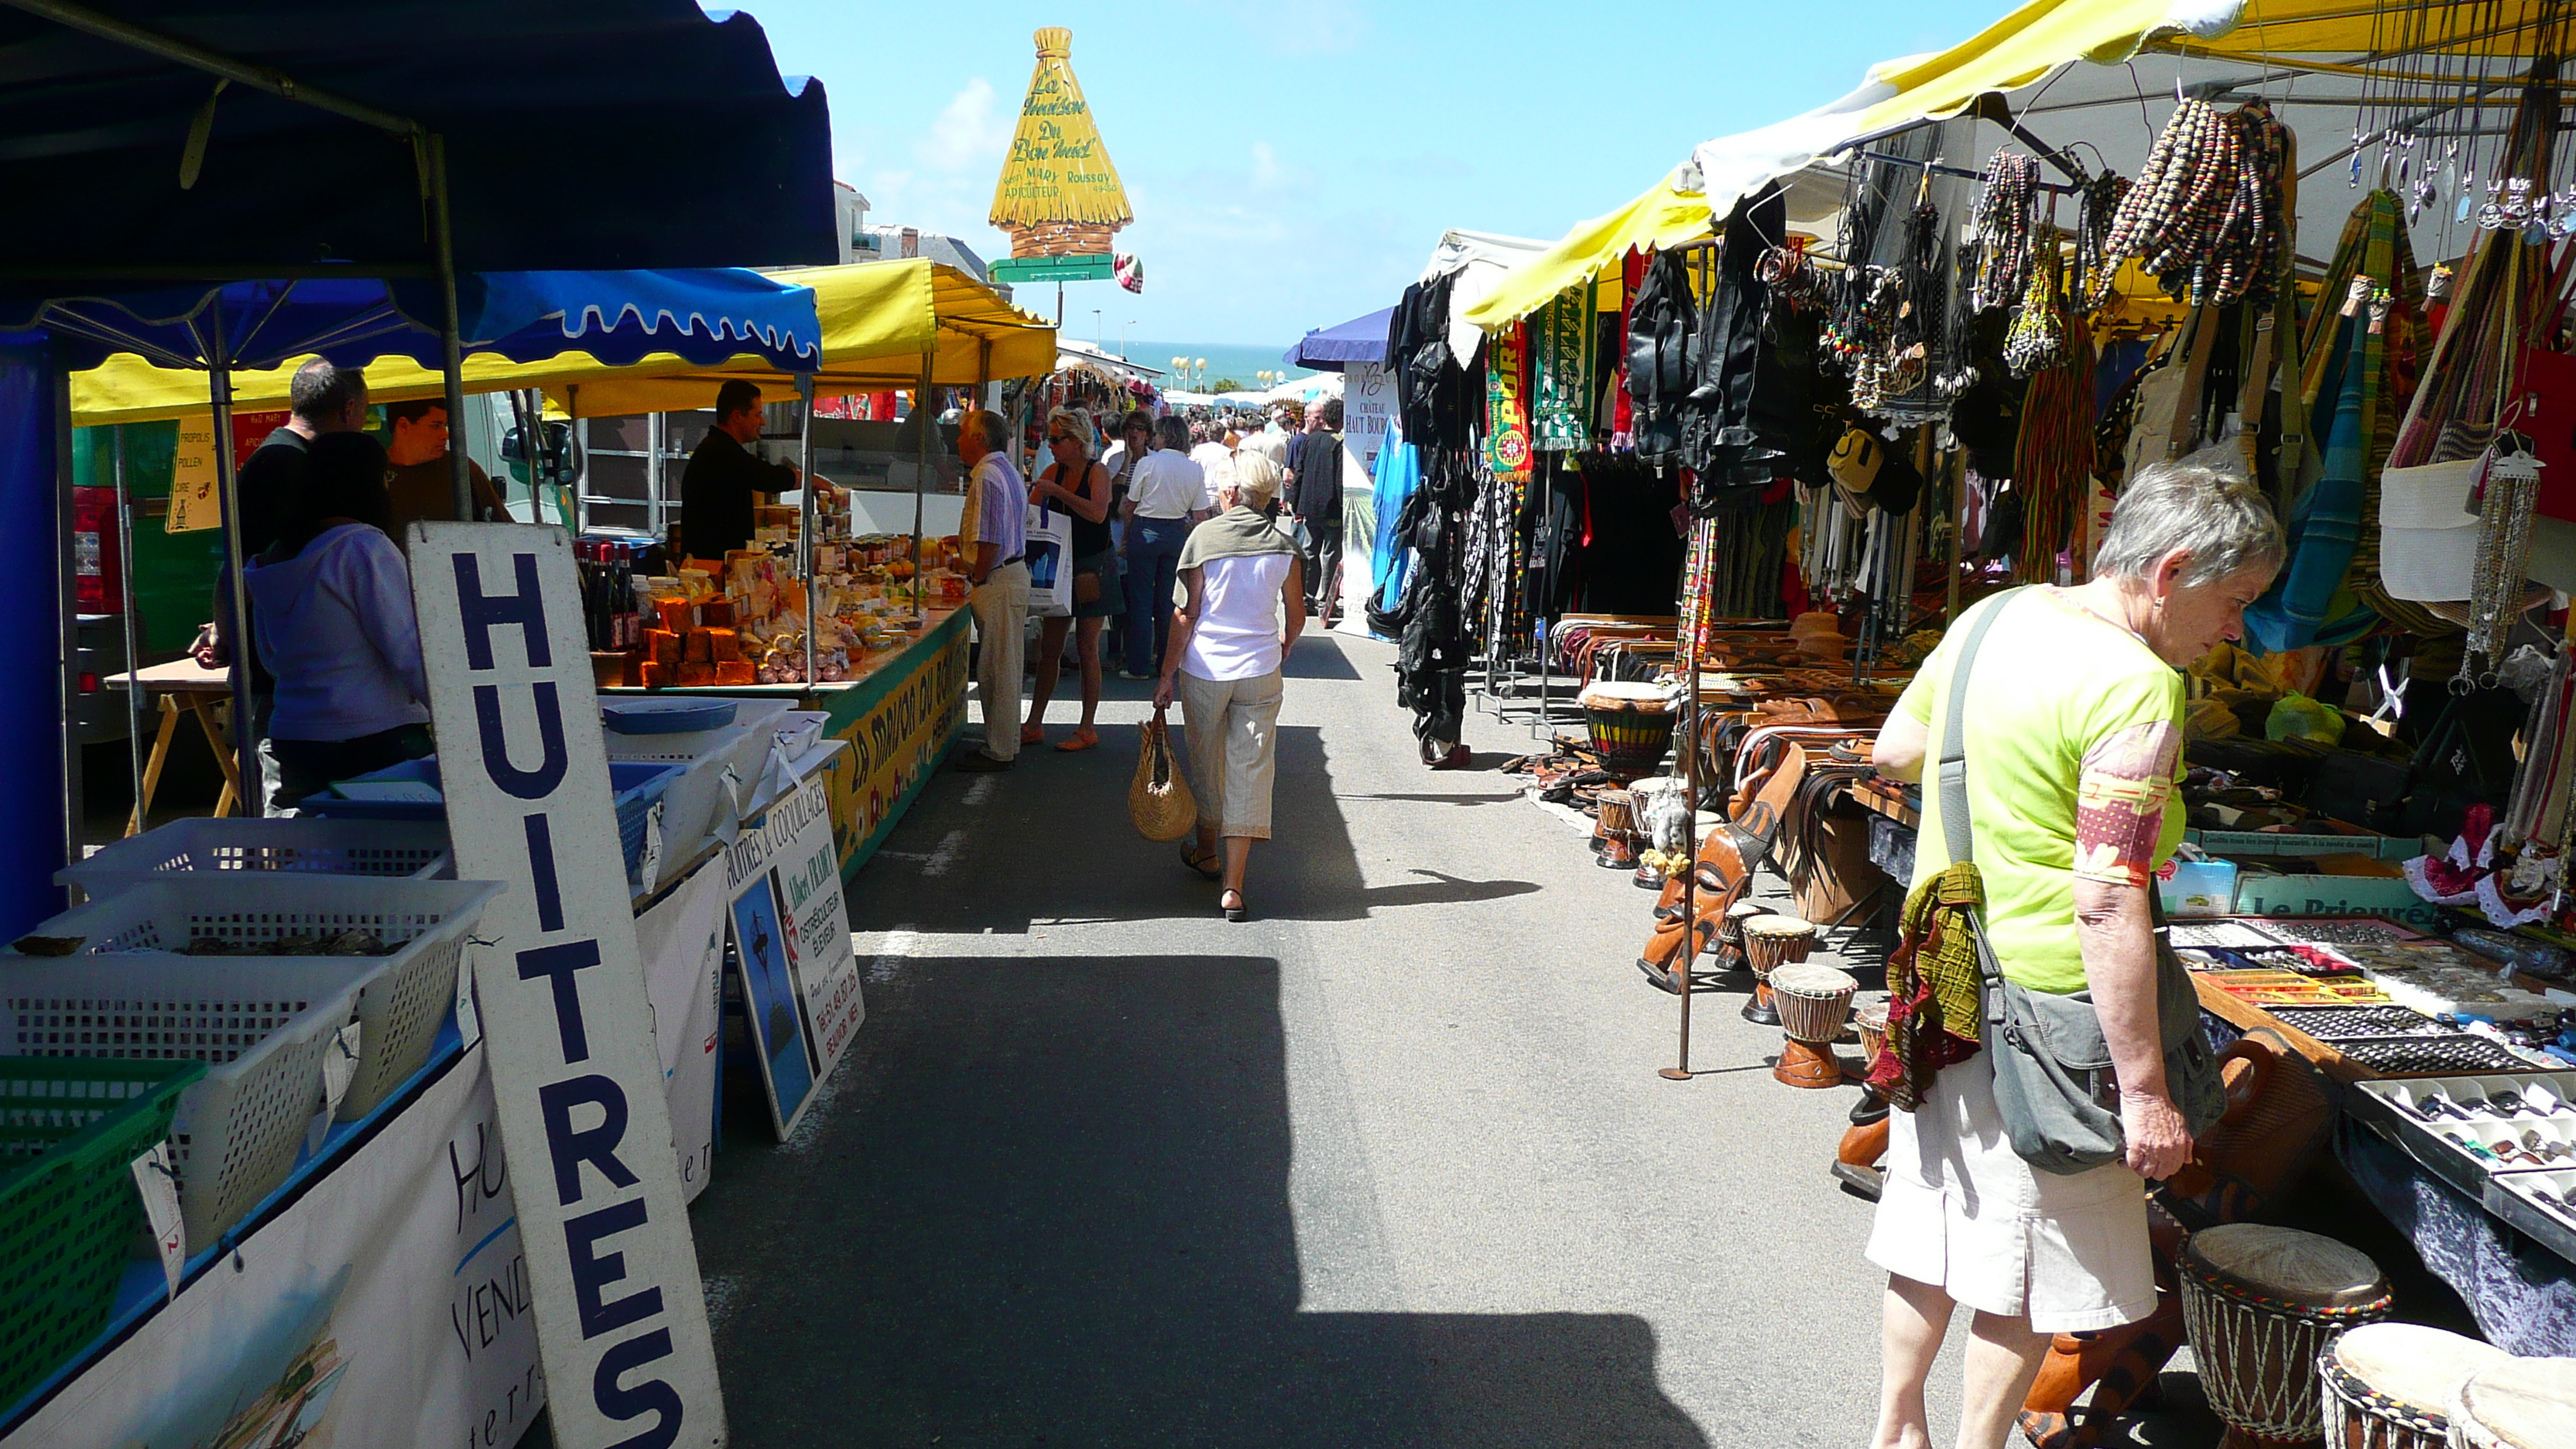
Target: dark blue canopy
x,y
705,316
1329,349
578,134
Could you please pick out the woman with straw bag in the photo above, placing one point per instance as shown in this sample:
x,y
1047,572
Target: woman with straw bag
x,y
1245,605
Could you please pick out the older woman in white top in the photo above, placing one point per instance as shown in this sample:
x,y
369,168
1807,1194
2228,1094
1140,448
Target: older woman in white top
x,y
1244,608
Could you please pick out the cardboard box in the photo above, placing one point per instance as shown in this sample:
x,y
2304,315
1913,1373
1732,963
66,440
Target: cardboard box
x,y
2198,887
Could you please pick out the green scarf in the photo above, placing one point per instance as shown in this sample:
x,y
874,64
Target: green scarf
x,y
1236,533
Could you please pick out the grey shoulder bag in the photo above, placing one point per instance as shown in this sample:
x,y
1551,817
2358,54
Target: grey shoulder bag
x,y
2054,1083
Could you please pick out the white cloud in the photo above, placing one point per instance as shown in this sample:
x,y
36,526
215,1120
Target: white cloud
x,y
971,133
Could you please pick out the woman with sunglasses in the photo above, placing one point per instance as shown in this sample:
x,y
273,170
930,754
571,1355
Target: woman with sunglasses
x,y
1079,486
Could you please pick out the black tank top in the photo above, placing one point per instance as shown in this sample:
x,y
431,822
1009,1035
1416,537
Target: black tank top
x,y
1089,538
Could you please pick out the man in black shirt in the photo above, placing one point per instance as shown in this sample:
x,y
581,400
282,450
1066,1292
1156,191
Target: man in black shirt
x,y
716,493
325,399
1314,495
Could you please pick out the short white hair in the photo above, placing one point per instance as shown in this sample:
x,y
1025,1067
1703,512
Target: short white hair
x,y
2198,505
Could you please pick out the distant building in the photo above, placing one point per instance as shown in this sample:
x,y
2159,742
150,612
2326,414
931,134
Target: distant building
x,y
850,217
884,243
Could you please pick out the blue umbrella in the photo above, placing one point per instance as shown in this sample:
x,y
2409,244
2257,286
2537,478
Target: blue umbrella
x,y
1330,349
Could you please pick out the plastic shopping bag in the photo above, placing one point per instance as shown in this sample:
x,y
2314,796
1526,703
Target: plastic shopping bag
x,y
1049,554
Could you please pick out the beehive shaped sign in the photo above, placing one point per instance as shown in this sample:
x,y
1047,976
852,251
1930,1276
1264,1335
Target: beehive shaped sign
x,y
1059,194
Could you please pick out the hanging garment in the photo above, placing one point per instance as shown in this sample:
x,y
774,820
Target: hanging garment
x,y
1399,473
1662,364
2324,525
1748,412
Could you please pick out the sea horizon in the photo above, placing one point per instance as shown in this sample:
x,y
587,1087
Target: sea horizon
x,y
1235,360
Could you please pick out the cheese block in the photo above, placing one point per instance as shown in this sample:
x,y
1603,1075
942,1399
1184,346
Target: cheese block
x,y
698,647
736,671
678,615
723,645
716,613
658,675
664,647
697,676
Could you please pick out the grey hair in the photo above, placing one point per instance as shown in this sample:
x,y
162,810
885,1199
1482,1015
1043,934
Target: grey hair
x,y
987,427
2211,513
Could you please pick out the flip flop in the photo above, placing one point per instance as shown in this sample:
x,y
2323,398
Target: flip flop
x,y
1081,739
1032,735
1209,865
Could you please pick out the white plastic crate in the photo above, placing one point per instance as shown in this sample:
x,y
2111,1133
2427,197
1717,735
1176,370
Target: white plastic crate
x,y
262,1026
297,845
800,730
721,770
403,997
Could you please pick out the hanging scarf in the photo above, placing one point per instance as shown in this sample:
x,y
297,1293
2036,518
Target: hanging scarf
x,y
2352,386
1932,986
1507,433
1561,346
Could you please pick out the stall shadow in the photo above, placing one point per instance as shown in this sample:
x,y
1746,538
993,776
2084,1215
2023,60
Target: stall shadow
x,y
1318,655
1052,842
1053,1206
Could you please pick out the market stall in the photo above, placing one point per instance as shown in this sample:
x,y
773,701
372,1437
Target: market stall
x,y
866,627
306,1138
1881,360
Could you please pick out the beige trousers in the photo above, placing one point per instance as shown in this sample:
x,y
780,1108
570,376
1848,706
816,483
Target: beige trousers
x,y
1232,728
1001,605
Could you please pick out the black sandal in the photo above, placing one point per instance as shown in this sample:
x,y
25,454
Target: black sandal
x,y
1233,912
1211,865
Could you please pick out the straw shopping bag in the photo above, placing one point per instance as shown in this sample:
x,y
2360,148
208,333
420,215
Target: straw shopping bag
x,y
1159,800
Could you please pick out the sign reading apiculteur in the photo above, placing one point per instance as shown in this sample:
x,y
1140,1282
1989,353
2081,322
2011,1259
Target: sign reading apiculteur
x,y
567,1020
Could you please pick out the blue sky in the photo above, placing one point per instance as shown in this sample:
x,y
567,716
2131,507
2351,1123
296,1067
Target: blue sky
x,y
1292,165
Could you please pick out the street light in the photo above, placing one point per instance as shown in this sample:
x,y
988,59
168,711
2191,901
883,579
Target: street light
x,y
1122,335
1099,332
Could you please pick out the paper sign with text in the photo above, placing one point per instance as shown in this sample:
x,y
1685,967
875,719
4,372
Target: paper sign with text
x,y
791,930
567,1018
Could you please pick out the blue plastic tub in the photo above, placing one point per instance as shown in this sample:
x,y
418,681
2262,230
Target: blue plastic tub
x,y
638,784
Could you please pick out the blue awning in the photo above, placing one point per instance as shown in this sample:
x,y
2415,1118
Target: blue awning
x,y
704,316
578,134
1330,349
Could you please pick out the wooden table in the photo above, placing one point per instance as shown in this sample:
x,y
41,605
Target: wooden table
x,y
205,692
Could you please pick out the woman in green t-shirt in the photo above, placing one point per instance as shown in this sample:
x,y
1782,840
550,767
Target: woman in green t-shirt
x,y
2074,748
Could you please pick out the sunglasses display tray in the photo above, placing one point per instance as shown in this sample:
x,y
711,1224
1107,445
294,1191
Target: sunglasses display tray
x,y
2538,1203
2353,1023
2409,1114
2337,931
2435,1056
2220,936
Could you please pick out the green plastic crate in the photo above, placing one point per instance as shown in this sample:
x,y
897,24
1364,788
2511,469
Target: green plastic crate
x,y
70,1129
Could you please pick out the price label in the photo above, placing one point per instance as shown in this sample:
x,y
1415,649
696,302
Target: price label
x,y
157,1178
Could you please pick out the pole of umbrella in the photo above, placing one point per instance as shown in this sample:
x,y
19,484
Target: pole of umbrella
x,y
219,396
809,521
125,602
1680,1071
451,347
67,620
921,474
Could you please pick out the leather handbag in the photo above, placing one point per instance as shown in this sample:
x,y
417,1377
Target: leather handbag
x,y
1159,799
2055,1085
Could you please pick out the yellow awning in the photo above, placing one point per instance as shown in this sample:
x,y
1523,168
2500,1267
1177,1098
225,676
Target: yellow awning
x,y
879,318
1665,216
2426,45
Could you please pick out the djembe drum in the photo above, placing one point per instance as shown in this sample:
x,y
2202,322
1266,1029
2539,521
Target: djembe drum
x,y
1632,726
1730,932
1813,1000
2390,1385
2523,1403
1869,1020
2259,1305
1614,830
1771,942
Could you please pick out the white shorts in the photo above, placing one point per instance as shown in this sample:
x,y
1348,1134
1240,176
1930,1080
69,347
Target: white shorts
x,y
1962,1212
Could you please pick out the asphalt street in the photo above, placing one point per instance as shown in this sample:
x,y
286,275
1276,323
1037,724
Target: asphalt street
x,y
1389,1164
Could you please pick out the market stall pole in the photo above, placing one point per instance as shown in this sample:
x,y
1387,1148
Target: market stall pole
x,y
1689,762
236,631
807,542
921,477
130,626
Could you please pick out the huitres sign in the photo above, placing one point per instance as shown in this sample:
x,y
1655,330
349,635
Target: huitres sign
x,y
1058,196
567,1016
